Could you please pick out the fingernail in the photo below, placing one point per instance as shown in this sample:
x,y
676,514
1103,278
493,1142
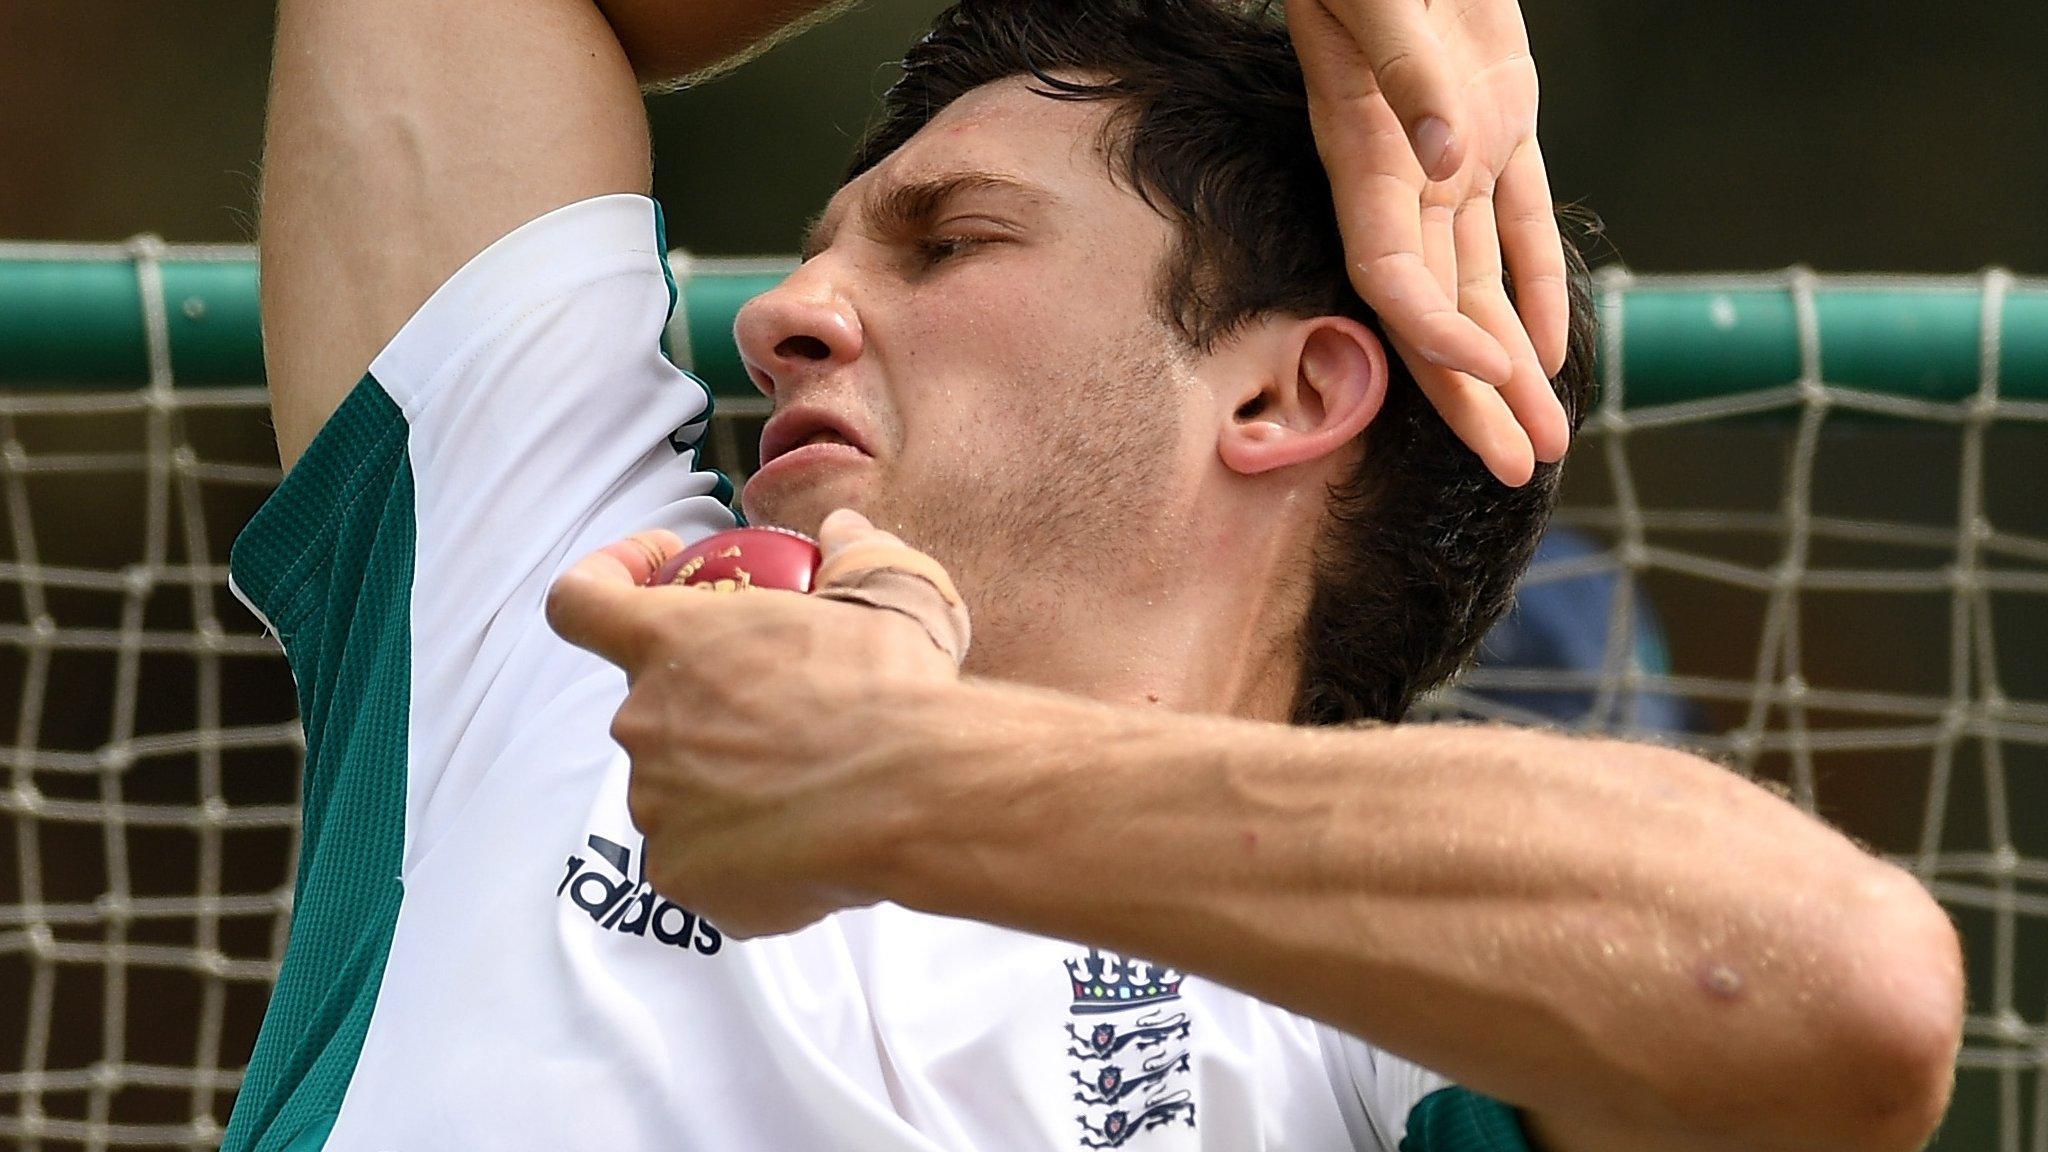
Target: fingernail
x,y
1432,144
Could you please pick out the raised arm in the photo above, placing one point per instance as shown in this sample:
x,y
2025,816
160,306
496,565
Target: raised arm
x,y
404,136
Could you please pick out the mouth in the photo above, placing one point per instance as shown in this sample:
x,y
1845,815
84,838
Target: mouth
x,y
794,429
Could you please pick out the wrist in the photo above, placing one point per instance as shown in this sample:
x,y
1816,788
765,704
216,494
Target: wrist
x,y
1026,795
918,754
983,764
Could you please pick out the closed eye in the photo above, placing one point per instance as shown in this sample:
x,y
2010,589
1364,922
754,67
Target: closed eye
x,y
960,236
935,250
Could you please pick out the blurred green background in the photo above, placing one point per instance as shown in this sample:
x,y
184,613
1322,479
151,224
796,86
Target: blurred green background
x,y
1733,134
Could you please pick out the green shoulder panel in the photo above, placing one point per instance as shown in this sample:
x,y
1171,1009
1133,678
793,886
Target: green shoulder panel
x,y
1457,1119
329,560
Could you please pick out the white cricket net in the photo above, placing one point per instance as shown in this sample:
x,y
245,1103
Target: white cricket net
x,y
1845,592
1852,589
151,755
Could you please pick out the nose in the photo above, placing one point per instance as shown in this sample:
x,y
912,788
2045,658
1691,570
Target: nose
x,y
802,325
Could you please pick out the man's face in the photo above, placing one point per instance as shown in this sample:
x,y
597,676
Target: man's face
x,y
977,313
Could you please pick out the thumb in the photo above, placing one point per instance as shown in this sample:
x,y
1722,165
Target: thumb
x,y
843,529
599,604
864,565
852,546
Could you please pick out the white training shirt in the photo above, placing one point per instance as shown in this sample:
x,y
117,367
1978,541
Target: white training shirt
x,y
475,962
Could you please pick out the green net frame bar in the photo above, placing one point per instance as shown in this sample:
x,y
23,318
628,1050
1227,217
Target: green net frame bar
x,y
73,315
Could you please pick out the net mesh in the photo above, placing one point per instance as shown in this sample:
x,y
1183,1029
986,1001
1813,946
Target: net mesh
x,y
1838,590
150,799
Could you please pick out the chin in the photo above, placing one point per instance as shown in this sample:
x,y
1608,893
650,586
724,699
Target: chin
x,y
798,511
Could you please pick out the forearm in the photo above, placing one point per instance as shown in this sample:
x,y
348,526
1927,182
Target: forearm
x,y
669,41
1584,928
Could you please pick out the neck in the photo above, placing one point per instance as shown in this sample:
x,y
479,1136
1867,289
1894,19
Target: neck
x,y
1219,640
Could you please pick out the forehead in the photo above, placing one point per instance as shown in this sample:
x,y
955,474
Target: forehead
x,y
1005,129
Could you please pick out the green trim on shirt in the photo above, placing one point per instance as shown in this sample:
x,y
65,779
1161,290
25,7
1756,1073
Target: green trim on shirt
x,y
723,491
1457,1119
328,560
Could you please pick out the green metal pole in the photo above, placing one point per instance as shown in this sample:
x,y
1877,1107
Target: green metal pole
x,y
1921,340
73,318
68,323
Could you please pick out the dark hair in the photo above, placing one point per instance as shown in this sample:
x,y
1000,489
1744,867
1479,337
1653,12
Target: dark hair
x,y
1422,547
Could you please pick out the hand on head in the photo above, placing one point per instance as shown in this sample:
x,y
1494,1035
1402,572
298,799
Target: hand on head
x,y
1425,116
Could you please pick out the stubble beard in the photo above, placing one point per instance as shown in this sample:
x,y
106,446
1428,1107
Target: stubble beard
x,y
1080,517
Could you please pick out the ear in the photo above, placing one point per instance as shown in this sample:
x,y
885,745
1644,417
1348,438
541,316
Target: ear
x,y
1322,382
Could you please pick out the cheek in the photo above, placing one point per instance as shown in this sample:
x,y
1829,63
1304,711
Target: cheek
x,y
976,384
1009,375
1005,346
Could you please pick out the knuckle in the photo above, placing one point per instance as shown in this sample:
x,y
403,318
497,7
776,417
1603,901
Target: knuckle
x,y
1388,187
631,726
559,601
1390,270
672,632
1405,72
1538,216
1481,280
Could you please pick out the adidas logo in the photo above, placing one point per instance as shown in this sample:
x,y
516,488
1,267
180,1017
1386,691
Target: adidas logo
x,y
619,899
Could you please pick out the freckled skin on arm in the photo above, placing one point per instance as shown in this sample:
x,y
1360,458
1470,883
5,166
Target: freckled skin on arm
x,y
1641,949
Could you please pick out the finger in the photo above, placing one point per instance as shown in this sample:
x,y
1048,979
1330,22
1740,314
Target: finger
x,y
853,546
1414,73
643,553
1440,248
1534,252
843,527
598,605
1405,272
865,565
1378,190
1480,418
1483,296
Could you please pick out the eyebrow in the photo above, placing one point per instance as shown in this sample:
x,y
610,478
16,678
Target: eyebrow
x,y
914,204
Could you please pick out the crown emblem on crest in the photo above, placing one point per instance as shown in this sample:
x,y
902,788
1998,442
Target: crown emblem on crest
x,y
1107,982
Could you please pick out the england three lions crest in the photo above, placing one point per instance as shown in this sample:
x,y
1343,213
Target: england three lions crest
x,y
1131,1061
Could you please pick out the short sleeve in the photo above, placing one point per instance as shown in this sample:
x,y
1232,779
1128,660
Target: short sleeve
x,y
1396,1105
537,401
525,415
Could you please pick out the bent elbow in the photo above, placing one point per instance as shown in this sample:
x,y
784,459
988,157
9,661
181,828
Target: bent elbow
x,y
1905,1020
